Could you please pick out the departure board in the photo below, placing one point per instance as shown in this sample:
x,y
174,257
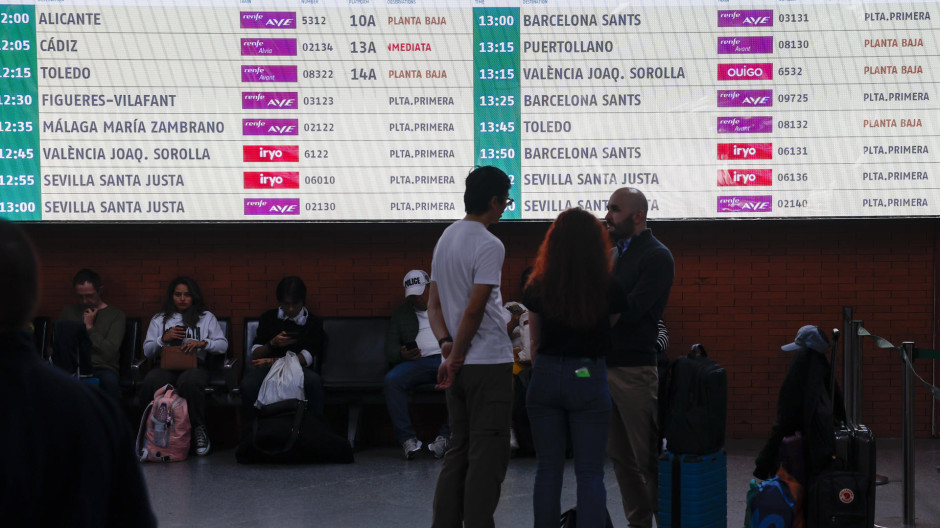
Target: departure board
x,y
376,110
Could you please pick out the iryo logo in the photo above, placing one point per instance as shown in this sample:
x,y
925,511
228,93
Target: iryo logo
x,y
268,20
269,101
269,127
271,153
760,71
746,18
272,206
272,180
745,177
745,204
745,98
745,151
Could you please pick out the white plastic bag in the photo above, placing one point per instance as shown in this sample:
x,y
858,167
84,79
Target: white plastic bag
x,y
285,381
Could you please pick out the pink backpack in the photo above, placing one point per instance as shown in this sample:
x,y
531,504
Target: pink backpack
x,y
164,429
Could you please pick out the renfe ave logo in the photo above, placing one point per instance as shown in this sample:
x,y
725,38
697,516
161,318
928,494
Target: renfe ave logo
x,y
745,98
272,206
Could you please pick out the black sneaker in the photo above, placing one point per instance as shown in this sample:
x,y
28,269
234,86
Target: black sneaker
x,y
202,440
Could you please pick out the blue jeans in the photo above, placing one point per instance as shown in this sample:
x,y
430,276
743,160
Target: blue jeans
x,y
558,401
404,377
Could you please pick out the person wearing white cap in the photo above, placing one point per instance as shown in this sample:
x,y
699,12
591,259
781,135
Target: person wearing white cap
x,y
414,355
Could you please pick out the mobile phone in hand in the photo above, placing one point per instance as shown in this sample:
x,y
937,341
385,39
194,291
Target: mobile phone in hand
x,y
411,345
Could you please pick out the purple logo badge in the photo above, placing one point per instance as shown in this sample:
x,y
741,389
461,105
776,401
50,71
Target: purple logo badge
x,y
745,204
269,100
745,98
745,125
269,127
742,45
269,47
268,20
746,18
272,206
253,73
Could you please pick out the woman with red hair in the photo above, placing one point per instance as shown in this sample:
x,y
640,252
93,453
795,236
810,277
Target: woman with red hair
x,y
571,296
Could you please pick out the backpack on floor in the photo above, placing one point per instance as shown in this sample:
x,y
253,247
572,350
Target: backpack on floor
x,y
164,429
773,506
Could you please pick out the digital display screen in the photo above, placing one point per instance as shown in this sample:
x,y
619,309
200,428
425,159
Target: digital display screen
x,y
376,110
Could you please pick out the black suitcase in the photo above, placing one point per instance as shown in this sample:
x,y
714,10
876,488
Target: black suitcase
x,y
844,494
696,404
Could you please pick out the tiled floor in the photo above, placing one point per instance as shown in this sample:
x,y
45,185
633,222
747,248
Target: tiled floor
x,y
383,490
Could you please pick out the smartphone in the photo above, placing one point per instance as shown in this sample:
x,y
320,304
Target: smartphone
x,y
292,334
515,309
411,345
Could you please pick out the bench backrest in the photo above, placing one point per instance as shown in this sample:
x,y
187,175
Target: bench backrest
x,y
355,354
128,351
251,330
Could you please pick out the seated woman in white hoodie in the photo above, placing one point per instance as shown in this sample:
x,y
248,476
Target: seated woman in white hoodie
x,y
184,321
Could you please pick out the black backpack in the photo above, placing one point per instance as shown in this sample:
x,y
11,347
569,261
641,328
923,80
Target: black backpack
x,y
695,405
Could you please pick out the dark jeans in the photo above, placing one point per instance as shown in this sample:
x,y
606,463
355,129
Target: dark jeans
x,y
402,378
254,377
480,407
559,401
109,383
190,384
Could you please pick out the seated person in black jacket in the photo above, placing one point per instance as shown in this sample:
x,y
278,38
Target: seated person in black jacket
x,y
289,328
804,406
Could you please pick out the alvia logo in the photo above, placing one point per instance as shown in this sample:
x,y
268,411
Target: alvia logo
x,y
268,20
269,101
269,47
272,206
746,18
745,204
269,127
745,177
745,98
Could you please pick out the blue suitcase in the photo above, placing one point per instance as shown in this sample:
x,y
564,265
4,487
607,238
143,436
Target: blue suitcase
x,y
693,490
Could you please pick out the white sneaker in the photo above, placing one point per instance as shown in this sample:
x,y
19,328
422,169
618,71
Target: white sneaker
x,y
411,447
513,443
439,446
202,440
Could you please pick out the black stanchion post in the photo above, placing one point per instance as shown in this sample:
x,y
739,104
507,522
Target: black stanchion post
x,y
848,349
907,433
857,389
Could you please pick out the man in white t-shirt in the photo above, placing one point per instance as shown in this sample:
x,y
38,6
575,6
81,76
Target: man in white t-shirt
x,y
414,355
466,312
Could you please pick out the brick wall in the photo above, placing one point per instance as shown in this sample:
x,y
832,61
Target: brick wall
x,y
742,288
